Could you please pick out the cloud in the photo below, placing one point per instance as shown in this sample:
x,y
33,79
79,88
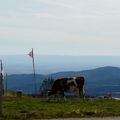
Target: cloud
x,y
57,3
45,15
61,26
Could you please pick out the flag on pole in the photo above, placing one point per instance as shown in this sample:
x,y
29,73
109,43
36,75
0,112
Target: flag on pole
x,y
31,53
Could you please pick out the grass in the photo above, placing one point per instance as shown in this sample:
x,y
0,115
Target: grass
x,y
37,108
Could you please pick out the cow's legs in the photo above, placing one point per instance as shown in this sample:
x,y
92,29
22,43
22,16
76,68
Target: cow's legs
x,y
81,92
64,97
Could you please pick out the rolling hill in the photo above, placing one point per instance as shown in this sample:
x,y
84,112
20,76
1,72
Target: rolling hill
x,y
99,81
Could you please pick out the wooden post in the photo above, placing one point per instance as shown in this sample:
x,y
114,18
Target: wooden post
x,y
6,85
1,87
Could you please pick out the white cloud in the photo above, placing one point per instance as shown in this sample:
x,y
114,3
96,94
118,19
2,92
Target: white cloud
x,y
57,3
61,26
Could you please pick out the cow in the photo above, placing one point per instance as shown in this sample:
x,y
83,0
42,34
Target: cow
x,y
65,84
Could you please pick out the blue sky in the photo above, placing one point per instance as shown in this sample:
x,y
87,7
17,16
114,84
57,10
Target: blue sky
x,y
60,27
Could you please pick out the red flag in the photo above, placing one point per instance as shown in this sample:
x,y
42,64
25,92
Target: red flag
x,y
31,53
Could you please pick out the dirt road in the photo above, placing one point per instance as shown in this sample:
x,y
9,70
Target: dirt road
x,y
107,118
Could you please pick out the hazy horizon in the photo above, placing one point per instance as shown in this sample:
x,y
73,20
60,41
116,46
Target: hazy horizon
x,y
47,64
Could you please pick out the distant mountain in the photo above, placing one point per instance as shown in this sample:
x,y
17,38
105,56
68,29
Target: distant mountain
x,y
99,81
101,74
47,64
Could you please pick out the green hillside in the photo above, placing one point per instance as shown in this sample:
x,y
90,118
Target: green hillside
x,y
37,108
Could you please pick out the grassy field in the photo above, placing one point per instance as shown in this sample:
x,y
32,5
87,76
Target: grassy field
x,y
28,108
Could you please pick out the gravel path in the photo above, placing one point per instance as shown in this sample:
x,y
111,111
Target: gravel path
x,y
107,118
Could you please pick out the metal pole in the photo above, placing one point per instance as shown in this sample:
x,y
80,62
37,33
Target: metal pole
x,y
1,87
35,85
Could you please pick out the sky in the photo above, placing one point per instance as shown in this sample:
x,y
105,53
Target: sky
x,y
60,27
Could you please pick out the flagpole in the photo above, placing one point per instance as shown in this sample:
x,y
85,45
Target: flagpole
x,y
1,86
35,85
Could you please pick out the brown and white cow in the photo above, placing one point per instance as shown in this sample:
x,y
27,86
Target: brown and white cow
x,y
66,84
